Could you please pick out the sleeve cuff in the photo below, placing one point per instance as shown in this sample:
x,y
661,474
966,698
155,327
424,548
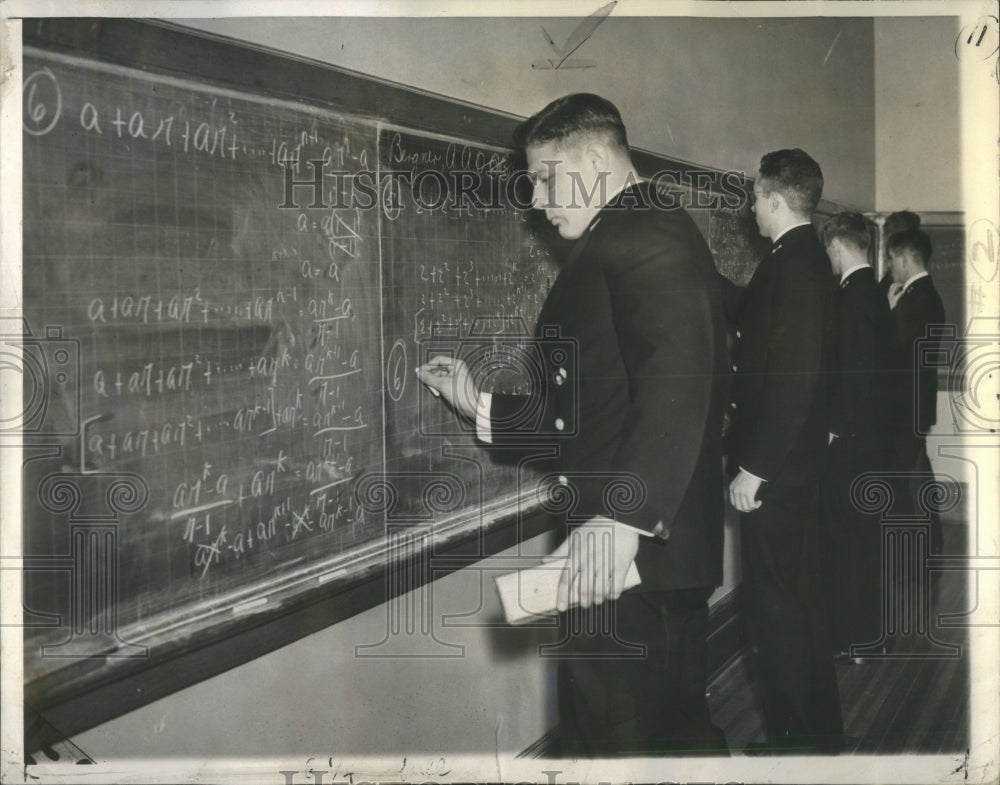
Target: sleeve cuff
x,y
751,474
484,430
642,532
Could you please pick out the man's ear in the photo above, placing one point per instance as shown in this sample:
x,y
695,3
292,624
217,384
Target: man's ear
x,y
597,155
832,249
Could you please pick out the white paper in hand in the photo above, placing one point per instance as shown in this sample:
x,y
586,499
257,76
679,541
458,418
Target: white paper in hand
x,y
528,594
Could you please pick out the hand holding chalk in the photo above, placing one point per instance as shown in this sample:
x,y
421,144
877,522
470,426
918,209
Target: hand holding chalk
x,y
448,377
434,390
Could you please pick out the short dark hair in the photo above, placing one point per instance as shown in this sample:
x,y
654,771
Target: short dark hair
x,y
794,175
900,221
849,227
574,115
911,240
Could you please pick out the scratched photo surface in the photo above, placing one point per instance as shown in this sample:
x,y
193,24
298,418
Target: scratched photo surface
x,y
244,542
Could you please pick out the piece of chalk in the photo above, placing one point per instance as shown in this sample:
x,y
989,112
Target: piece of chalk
x,y
331,576
435,392
249,606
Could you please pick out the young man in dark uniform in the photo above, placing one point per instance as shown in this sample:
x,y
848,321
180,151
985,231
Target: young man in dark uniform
x,y
639,296
916,305
777,450
864,388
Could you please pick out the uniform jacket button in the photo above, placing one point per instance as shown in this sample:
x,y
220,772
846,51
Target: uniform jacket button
x,y
560,424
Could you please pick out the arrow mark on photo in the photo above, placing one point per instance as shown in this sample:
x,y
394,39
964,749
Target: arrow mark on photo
x,y
580,33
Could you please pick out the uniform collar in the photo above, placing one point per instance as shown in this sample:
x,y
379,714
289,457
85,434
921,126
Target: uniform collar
x,y
777,240
614,200
851,270
912,278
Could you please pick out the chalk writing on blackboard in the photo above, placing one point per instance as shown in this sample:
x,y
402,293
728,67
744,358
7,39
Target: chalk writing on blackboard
x,y
245,354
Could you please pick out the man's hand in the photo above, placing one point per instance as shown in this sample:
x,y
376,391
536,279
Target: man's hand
x,y
743,492
598,554
450,378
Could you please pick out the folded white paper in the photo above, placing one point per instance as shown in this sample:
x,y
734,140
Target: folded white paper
x,y
530,593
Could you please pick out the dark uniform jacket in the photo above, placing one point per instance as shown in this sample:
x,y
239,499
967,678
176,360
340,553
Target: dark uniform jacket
x,y
917,307
865,384
638,403
779,423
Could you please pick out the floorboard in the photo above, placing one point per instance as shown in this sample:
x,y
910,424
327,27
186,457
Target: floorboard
x,y
913,704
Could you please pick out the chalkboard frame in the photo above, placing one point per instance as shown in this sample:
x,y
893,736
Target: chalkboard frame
x,y
93,691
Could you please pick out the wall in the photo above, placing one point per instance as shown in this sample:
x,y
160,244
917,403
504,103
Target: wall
x,y
918,150
917,115
718,92
316,697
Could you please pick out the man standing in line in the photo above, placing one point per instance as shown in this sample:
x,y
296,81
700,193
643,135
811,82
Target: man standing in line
x,y
899,221
864,392
916,305
777,451
639,296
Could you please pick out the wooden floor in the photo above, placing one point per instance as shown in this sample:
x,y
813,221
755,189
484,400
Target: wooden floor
x,y
915,704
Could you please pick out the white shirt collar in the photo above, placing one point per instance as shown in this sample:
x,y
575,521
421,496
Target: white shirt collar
x,y
786,231
850,270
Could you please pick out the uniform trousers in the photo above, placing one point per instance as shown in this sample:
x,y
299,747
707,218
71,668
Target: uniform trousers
x,y
852,545
782,592
632,677
913,457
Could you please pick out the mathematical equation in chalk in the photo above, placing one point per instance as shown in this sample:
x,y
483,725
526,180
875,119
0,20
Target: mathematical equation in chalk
x,y
195,123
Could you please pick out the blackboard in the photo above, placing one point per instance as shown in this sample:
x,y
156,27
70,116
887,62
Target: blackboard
x,y
736,242
947,268
466,276
240,409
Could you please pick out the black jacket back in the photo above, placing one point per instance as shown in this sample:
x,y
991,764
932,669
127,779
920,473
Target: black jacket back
x,y
779,421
